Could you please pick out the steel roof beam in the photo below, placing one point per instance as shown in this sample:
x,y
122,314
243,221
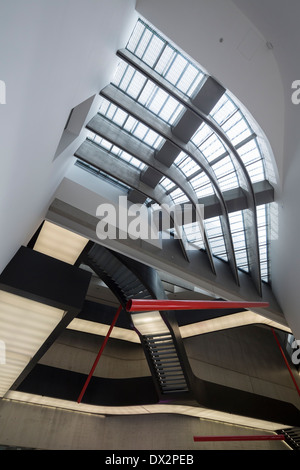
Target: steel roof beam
x,y
250,217
144,153
92,154
146,117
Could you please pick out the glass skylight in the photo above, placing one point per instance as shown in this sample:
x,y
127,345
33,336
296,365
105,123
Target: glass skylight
x,y
113,149
186,76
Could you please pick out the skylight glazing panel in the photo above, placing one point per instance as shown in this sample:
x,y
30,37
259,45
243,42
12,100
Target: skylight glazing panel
x,y
202,185
105,144
212,148
236,128
126,78
170,111
153,50
119,73
216,239
176,70
136,36
130,124
114,150
201,134
139,130
178,196
152,139
147,93
135,85
180,158
167,184
189,78
223,110
165,60
194,235
143,43
107,109
188,166
256,171
253,161
226,174
119,117
238,237
157,100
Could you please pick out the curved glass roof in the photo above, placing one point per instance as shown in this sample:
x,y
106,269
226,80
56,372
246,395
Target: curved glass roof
x,y
180,71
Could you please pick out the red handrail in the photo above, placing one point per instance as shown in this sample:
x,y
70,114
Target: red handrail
x,y
144,305
278,437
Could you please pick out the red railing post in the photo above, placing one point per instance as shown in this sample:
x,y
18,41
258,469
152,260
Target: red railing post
x,y
99,355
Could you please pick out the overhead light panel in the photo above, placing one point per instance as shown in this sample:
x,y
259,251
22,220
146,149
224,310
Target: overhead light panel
x,y
24,327
60,243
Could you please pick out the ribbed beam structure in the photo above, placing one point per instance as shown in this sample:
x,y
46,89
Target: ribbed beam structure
x,y
142,152
250,218
92,154
126,103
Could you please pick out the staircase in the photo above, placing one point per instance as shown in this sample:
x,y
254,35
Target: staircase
x,y
118,277
166,363
292,437
128,279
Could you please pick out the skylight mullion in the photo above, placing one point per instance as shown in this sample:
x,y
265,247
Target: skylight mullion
x,y
153,50
170,64
157,103
147,47
199,76
170,110
126,79
136,36
165,61
181,74
143,42
159,56
176,70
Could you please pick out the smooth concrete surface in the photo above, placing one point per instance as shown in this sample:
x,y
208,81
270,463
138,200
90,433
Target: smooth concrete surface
x,y
46,428
76,351
246,358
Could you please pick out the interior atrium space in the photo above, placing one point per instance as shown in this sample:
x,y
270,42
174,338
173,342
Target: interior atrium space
x,y
149,257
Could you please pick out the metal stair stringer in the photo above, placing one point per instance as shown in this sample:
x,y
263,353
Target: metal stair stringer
x,y
129,279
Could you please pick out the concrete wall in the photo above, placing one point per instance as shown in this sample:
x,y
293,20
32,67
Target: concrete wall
x,y
56,429
246,358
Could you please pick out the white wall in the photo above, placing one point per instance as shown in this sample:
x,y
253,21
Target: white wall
x,y
54,55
